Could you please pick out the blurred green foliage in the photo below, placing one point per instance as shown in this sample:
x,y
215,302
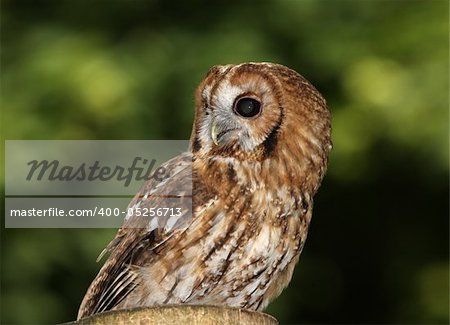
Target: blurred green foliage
x,y
378,245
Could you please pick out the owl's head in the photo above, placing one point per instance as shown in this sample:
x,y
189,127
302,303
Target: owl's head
x,y
253,111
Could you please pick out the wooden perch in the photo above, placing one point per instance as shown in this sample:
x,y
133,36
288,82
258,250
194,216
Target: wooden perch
x,y
182,314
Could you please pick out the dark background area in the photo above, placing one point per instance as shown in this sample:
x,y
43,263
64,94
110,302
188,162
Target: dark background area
x,y
377,251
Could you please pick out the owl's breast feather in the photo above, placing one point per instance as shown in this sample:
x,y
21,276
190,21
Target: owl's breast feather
x,y
253,239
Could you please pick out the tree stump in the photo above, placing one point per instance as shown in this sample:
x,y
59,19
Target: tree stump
x,y
181,314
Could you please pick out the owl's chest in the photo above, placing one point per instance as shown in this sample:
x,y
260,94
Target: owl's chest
x,y
254,238
250,233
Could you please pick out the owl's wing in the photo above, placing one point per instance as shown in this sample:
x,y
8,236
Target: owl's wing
x,y
144,234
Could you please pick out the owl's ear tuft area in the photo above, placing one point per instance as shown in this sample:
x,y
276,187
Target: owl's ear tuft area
x,y
218,69
213,71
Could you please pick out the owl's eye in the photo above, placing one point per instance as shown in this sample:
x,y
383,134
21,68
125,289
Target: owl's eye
x,y
247,107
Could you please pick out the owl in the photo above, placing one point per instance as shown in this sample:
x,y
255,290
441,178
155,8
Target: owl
x,y
258,152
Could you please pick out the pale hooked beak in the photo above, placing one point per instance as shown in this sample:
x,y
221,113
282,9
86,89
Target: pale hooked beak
x,y
218,131
214,132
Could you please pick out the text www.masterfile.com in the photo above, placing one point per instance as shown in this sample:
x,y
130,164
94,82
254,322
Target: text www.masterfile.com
x,y
96,211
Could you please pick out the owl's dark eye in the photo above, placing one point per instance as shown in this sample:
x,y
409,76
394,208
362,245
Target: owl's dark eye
x,y
247,107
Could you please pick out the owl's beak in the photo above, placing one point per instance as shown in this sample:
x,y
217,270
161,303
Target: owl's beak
x,y
214,133
218,131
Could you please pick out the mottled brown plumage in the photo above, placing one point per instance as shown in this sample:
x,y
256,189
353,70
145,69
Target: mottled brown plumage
x,y
258,153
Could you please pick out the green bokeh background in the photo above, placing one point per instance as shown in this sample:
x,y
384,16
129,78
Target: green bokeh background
x,y
378,245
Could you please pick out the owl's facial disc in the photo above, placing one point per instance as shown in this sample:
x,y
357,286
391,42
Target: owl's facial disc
x,y
244,107
242,114
240,107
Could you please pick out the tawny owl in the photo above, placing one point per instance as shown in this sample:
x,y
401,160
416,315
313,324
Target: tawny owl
x,y
258,153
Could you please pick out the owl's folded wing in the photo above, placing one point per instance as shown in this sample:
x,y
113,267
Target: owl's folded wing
x,y
156,218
